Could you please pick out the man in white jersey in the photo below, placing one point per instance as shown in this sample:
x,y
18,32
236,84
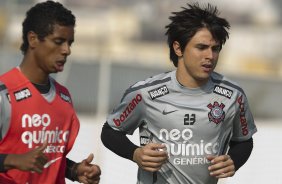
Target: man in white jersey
x,y
38,124
195,124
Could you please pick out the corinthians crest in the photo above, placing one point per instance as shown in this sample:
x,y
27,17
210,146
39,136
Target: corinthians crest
x,y
216,114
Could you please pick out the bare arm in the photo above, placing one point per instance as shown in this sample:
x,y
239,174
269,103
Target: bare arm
x,y
33,160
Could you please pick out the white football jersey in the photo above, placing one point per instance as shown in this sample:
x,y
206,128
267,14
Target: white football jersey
x,y
192,123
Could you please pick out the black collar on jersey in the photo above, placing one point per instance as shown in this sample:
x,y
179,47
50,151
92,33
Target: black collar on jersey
x,y
43,88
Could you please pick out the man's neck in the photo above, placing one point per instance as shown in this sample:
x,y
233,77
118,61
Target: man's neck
x,y
34,75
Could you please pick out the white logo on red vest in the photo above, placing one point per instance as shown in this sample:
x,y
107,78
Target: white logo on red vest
x,y
22,94
36,132
65,97
216,114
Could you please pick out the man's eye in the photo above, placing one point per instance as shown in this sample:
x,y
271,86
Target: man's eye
x,y
58,42
201,47
216,49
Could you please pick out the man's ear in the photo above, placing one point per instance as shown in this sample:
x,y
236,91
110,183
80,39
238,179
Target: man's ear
x,y
177,49
32,39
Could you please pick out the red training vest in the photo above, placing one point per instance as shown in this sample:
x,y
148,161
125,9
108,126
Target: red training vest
x,y
33,120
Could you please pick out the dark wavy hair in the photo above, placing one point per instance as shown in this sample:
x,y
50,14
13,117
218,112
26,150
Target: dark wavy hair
x,y
185,24
41,19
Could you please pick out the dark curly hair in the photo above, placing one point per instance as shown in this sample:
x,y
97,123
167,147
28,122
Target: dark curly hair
x,y
41,19
185,24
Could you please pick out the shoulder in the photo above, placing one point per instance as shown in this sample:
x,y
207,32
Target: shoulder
x,y
226,82
58,86
154,80
61,90
149,83
10,78
7,73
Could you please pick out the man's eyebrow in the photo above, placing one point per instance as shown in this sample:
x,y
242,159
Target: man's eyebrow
x,y
63,39
59,38
204,44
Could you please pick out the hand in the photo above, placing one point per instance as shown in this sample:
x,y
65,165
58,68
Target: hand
x,y
33,160
88,173
221,166
151,157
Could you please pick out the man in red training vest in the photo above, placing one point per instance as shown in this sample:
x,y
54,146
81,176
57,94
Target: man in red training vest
x,y
38,124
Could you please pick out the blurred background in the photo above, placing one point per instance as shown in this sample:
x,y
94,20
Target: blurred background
x,y
120,42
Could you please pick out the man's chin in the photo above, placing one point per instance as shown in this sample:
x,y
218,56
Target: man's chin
x,y
58,69
55,71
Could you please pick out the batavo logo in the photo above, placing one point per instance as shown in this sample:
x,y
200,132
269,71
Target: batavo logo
x,y
22,94
243,120
158,92
65,97
129,108
223,91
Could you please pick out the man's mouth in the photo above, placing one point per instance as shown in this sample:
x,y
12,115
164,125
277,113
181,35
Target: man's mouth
x,y
207,67
60,65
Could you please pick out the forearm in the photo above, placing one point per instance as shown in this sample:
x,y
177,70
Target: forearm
x,y
9,161
71,170
117,142
240,152
2,160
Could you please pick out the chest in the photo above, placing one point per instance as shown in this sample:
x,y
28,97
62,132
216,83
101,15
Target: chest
x,y
181,116
31,111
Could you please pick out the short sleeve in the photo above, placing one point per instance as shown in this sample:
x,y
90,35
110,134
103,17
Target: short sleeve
x,y
127,116
243,126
